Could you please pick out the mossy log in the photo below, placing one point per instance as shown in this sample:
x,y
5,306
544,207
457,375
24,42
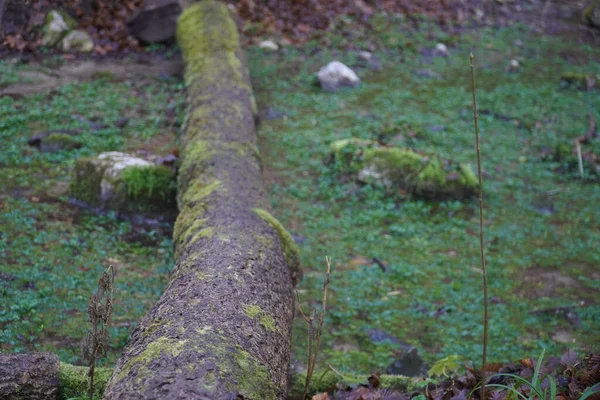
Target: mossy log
x,y
222,328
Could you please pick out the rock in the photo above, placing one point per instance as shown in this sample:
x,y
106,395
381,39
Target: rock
x,y
78,40
55,140
513,65
365,55
373,62
125,183
402,169
56,26
409,364
591,14
441,50
155,22
59,142
268,45
336,75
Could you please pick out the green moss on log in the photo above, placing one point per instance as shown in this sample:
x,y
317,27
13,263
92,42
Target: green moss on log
x,y
221,38
292,255
153,351
73,381
264,319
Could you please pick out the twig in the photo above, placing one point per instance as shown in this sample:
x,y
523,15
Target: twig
x,y
579,157
380,263
559,309
481,243
335,371
316,332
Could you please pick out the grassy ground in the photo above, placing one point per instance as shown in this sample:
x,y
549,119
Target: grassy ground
x,y
541,226
52,253
541,241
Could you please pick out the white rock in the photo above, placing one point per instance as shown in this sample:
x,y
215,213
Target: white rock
x,y
370,173
441,50
513,65
78,41
365,55
336,75
268,45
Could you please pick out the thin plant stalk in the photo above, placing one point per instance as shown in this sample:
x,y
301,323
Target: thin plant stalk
x,y
481,245
315,332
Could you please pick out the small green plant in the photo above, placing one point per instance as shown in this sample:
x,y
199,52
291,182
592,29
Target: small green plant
x,y
537,389
445,366
153,182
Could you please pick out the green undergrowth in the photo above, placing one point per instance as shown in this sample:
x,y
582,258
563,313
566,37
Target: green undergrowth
x,y
51,252
541,222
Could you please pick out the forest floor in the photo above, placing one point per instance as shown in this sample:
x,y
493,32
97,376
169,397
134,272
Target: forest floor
x,y
541,219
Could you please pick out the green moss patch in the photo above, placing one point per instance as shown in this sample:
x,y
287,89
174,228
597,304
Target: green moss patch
x,y
155,186
287,242
396,168
74,381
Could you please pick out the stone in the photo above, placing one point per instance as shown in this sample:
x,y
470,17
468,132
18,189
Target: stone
x,y
365,55
124,183
56,26
513,65
155,22
399,169
337,75
409,363
268,45
441,50
77,40
57,142
591,14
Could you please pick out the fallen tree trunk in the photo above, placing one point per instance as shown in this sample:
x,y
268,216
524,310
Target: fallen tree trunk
x,y
222,328
31,376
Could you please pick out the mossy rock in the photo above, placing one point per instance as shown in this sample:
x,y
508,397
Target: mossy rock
x,y
580,80
591,13
126,184
402,169
56,26
59,142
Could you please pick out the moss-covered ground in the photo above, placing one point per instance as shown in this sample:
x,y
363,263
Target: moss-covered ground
x,y
541,223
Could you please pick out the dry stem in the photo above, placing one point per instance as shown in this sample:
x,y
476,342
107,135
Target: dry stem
x,y
483,266
314,333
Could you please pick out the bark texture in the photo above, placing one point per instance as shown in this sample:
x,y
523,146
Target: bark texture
x,y
31,376
222,328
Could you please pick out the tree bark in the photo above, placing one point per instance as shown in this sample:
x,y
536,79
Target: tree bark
x,y
32,376
222,328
